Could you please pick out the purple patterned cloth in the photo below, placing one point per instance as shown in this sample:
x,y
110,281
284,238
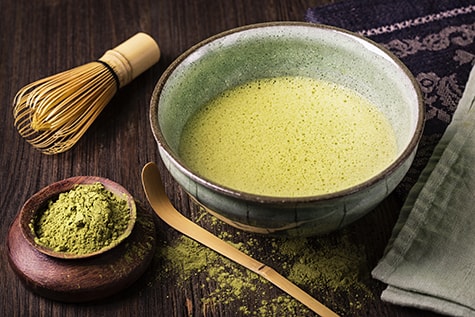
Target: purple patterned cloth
x,y
434,38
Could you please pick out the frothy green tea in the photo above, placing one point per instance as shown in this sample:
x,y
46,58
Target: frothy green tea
x,y
288,137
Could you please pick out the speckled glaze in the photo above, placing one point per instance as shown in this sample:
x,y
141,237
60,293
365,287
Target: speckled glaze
x,y
286,49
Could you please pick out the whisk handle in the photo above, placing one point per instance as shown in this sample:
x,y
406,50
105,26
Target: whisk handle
x,y
131,58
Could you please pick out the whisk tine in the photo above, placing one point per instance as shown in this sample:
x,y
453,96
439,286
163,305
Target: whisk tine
x,y
62,116
59,106
53,113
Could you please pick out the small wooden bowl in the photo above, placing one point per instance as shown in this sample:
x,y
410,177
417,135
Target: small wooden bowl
x,y
39,201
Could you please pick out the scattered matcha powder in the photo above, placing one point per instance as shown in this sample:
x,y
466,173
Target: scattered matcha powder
x,y
82,220
324,269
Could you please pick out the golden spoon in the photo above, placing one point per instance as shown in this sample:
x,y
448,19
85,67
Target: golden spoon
x,y
159,201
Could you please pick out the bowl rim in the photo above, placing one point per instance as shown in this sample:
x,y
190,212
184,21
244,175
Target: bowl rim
x,y
38,200
227,191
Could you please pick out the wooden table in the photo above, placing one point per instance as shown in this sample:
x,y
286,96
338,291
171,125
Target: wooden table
x,y
43,37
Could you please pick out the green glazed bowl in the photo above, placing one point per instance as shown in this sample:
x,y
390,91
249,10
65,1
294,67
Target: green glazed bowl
x,y
277,49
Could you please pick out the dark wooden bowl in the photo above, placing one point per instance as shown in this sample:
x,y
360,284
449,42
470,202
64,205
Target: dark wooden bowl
x,y
38,203
69,278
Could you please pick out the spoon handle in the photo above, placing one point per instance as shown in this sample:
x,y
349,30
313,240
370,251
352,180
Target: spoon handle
x,y
155,192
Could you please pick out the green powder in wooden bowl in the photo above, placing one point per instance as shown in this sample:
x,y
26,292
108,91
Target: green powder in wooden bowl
x,y
83,220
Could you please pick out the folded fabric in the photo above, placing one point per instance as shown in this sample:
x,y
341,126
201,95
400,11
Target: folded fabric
x,y
429,262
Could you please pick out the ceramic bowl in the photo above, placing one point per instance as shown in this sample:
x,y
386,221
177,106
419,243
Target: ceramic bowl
x,y
277,49
38,202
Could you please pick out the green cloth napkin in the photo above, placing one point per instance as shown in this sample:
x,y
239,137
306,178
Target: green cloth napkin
x,y
429,262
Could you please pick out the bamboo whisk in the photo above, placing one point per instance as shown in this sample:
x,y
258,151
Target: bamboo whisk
x,y
54,112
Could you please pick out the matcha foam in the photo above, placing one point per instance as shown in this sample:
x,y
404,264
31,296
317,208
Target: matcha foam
x,y
288,137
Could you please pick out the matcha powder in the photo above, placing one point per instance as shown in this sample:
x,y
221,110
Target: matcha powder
x,y
325,269
82,220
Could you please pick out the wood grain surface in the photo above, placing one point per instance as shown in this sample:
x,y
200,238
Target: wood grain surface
x,y
43,37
